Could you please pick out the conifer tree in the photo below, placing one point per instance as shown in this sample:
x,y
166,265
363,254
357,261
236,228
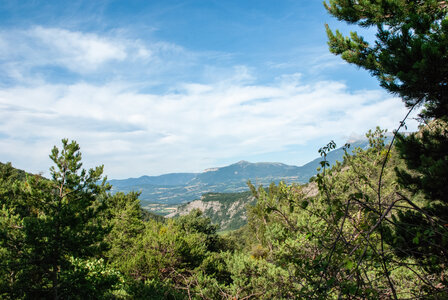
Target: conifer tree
x,y
409,57
46,225
410,54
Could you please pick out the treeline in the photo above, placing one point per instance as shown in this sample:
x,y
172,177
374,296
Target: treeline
x,y
374,226
358,231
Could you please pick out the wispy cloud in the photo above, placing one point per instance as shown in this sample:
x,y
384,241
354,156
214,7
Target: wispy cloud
x,y
136,133
27,55
209,113
77,51
154,87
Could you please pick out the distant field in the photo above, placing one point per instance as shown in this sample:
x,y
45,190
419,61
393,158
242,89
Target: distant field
x,y
160,208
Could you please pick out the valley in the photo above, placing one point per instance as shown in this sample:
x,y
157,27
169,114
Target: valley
x,y
160,194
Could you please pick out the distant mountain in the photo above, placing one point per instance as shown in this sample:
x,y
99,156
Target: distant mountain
x,y
244,170
167,179
179,188
229,210
309,169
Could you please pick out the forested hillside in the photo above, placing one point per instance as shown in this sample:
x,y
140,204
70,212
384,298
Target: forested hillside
x,y
374,226
227,210
69,235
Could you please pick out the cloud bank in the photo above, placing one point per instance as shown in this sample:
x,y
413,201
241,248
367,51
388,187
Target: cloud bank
x,y
107,107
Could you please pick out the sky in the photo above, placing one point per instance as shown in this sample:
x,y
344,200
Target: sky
x,y
160,86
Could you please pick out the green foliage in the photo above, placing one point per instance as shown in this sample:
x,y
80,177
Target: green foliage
x,y
90,279
409,56
45,223
10,173
168,254
340,242
426,155
147,215
422,232
124,217
357,231
372,227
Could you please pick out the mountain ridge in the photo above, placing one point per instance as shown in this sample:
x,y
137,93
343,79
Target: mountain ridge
x,y
177,188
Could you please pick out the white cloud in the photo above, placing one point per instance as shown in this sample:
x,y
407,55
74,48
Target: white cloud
x,y
76,49
191,126
22,51
134,133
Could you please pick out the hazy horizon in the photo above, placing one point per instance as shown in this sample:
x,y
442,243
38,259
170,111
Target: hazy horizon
x,y
157,87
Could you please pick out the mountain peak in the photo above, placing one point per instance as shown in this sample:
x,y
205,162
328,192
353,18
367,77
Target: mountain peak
x,y
177,188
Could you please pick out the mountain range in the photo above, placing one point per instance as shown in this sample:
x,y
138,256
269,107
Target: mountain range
x,y
177,188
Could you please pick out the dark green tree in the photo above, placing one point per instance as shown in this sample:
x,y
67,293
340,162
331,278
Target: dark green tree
x,y
47,226
426,223
410,54
124,216
196,223
409,57
11,239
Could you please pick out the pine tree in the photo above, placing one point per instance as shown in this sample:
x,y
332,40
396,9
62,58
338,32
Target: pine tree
x,y
410,59
426,234
410,54
46,225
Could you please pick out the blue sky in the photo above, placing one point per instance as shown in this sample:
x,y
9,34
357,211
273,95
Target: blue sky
x,y
152,87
